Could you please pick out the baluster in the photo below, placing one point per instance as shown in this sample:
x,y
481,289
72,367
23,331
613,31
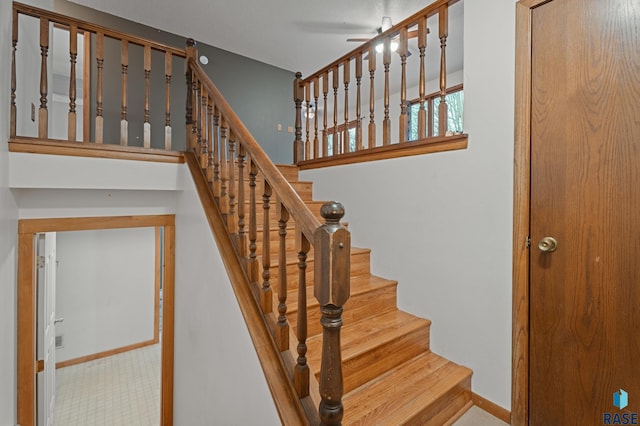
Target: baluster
x,y
402,50
167,110
346,78
266,295
386,122
195,130
358,102
147,76
14,45
124,61
282,327
192,53
298,97
331,288
252,266
372,99
100,65
231,219
216,154
307,147
43,114
210,141
335,111
202,134
422,45
316,95
325,136
443,30
224,176
242,237
301,372
73,55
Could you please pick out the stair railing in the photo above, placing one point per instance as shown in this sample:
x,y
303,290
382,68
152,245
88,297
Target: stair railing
x,y
232,161
338,121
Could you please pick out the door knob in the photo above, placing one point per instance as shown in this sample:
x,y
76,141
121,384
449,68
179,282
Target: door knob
x,y
548,244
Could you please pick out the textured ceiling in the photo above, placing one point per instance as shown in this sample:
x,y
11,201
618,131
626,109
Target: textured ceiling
x,y
297,35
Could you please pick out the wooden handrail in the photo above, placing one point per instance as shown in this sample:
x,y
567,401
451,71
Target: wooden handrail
x,y
303,217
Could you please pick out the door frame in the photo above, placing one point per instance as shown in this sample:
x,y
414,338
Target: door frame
x,y
521,214
27,302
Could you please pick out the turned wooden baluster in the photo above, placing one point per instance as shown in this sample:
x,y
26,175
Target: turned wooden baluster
x,y
307,147
242,236
73,55
346,75
443,32
402,51
210,141
316,95
331,287
202,135
298,97
216,154
195,133
301,372
282,326
167,109
100,63
224,176
266,294
358,102
147,76
252,264
386,122
232,223
372,99
14,45
335,110
422,45
325,92
192,53
43,114
124,64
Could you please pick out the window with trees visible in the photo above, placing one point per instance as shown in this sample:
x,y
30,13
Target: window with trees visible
x,y
339,134
455,104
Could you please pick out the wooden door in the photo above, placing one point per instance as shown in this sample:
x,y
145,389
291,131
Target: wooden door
x,y
46,346
585,193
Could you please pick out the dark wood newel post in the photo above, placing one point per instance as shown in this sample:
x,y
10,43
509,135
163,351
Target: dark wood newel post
x,y
192,53
298,97
332,288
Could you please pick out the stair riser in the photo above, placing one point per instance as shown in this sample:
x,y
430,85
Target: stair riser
x,y
444,408
357,307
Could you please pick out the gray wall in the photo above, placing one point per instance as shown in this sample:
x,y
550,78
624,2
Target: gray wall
x,y
260,94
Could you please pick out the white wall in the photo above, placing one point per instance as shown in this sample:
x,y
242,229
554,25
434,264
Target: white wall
x,y
441,224
105,290
217,373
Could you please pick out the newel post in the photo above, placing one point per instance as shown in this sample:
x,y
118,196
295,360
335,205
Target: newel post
x,y
192,53
332,288
298,97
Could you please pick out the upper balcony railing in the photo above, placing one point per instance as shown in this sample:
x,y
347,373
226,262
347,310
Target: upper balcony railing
x,y
332,124
80,64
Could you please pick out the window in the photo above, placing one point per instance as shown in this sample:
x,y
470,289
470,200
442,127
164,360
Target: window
x,y
331,133
455,104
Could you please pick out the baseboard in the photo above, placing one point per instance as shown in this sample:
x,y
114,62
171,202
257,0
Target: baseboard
x,y
492,408
104,354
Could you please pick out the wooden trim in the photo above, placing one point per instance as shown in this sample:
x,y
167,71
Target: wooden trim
x,y
156,284
75,149
423,146
104,354
88,26
431,96
282,391
491,407
521,210
27,306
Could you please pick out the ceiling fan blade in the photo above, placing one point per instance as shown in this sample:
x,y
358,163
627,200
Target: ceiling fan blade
x,y
412,34
359,40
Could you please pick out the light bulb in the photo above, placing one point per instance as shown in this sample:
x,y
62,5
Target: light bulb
x,y
394,46
379,47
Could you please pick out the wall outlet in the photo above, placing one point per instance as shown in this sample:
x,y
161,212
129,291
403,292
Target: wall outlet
x,y
290,129
33,112
279,127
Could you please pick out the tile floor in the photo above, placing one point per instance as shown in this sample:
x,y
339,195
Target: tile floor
x,y
122,389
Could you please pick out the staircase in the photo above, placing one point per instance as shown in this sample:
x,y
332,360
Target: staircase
x,y
391,377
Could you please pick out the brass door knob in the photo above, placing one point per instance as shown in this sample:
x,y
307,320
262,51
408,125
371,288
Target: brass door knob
x,y
548,244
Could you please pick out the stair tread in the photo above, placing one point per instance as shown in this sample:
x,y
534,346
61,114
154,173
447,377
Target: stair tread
x,y
359,284
392,398
363,336
292,256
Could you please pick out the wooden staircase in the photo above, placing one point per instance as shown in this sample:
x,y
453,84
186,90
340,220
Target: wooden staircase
x,y
391,377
